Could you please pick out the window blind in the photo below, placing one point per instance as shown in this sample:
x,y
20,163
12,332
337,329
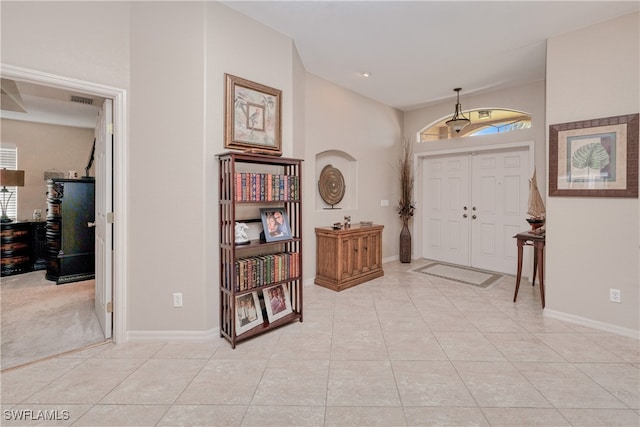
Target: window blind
x,y
9,160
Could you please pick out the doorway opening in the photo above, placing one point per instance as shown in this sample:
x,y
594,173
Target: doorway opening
x,y
112,258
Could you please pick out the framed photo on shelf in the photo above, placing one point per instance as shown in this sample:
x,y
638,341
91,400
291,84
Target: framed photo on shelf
x,y
594,158
248,312
277,302
252,116
275,223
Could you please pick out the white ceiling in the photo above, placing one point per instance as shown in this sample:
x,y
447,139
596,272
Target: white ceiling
x,y
41,104
418,51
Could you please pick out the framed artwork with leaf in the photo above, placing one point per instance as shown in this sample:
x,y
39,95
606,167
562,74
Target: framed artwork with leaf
x,y
594,158
252,116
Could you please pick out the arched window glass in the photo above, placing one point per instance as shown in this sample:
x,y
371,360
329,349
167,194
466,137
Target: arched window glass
x,y
484,121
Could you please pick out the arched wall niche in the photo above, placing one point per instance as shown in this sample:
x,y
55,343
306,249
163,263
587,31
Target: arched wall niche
x,y
348,166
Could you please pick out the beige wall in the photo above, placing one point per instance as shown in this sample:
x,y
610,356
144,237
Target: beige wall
x,y
43,147
592,243
369,132
170,57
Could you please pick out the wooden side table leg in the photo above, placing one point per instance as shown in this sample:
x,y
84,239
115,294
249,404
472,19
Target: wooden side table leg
x,y
540,252
519,276
535,265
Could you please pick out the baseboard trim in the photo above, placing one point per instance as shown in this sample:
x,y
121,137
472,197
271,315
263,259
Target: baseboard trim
x,y
173,335
589,323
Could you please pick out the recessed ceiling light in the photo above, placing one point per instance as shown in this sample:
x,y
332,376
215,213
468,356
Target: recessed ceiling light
x,y
365,74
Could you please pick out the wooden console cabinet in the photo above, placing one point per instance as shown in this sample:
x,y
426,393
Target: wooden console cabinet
x,y
349,256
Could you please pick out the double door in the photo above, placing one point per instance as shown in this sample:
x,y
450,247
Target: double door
x,y
474,205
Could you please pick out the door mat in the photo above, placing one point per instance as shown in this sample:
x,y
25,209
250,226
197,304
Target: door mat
x,y
456,273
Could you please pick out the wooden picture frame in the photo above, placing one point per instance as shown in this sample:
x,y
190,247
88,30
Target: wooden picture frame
x,y
248,312
275,223
252,116
277,302
594,158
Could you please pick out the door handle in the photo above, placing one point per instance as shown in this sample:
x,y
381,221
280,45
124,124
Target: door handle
x,y
473,216
464,215
91,224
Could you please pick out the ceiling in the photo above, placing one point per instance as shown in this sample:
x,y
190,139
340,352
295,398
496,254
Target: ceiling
x,y
418,51
42,104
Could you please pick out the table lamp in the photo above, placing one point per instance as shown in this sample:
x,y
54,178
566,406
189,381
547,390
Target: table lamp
x,y
9,178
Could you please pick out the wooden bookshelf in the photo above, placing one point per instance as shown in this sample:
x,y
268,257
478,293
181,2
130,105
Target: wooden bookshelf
x,y
268,274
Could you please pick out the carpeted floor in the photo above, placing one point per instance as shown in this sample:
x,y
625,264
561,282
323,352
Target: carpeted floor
x,y
466,275
42,319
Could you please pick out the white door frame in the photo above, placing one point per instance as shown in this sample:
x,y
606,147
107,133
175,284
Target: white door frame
x,y
120,176
419,179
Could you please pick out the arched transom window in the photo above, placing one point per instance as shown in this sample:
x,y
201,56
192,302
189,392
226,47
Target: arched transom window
x,y
484,121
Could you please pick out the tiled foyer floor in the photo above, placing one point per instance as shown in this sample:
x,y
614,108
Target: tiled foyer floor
x,y
405,349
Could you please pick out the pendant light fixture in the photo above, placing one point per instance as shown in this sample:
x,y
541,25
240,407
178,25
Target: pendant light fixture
x,y
458,121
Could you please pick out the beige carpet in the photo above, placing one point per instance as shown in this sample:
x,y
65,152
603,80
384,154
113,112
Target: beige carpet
x,y
457,273
41,319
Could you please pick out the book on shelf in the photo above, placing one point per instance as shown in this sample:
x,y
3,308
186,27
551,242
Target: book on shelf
x,y
256,271
258,187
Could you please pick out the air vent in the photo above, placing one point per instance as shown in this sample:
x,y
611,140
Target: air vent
x,y
81,100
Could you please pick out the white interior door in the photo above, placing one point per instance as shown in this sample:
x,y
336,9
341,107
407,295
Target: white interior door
x,y
474,205
499,181
447,212
104,207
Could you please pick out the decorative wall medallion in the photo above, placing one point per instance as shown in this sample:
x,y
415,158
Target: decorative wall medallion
x,y
331,185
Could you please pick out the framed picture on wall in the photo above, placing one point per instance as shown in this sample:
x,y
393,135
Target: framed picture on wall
x,y
252,116
594,158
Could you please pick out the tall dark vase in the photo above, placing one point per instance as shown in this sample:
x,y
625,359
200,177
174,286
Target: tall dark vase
x,y
405,244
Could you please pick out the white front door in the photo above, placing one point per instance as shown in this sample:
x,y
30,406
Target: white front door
x,y
474,205
499,188
104,206
447,211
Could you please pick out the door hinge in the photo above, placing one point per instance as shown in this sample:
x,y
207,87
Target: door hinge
x,y
111,217
109,307
110,128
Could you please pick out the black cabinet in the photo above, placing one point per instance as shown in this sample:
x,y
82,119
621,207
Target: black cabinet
x,y
70,232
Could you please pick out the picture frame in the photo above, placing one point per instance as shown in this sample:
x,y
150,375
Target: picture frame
x,y
277,302
252,116
594,158
248,312
275,224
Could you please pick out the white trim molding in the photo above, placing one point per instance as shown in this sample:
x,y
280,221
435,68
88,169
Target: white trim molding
x,y
589,323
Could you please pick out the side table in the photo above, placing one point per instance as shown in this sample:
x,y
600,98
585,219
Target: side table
x,y
527,238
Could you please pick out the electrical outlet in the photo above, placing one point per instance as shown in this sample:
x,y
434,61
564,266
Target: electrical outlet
x,y
615,295
177,299
384,203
